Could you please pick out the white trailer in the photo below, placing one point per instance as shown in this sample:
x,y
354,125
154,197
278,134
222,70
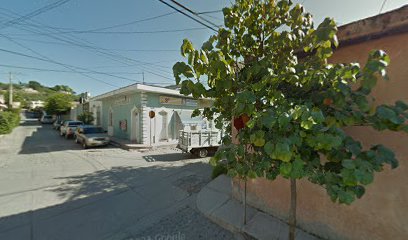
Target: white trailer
x,y
199,142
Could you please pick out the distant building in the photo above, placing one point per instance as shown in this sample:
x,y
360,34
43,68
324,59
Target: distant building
x,y
2,103
36,104
30,90
16,105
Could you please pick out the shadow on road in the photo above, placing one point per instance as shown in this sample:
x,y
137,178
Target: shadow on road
x,y
169,157
104,203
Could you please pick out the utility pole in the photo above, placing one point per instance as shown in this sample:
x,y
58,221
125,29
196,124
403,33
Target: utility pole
x,y
143,78
10,91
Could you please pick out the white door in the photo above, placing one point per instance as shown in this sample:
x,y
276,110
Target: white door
x,y
110,123
164,133
135,126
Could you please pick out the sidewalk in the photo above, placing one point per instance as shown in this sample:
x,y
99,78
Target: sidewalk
x,y
215,201
130,145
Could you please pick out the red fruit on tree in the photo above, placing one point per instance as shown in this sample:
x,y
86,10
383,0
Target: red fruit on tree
x,y
239,123
328,101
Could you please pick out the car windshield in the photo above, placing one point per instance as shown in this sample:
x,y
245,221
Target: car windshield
x,y
48,117
74,123
92,130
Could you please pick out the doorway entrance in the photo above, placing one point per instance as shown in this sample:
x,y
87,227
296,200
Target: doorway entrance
x,y
135,121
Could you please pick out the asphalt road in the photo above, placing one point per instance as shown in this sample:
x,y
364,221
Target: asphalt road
x,y
50,188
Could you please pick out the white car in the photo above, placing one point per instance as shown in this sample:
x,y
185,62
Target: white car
x,y
91,136
68,128
47,119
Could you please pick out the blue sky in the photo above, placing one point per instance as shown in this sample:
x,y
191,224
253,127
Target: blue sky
x,y
117,54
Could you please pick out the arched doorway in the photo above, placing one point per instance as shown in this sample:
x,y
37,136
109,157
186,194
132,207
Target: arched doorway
x,y
110,122
135,127
164,136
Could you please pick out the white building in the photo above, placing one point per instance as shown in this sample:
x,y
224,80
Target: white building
x,y
36,104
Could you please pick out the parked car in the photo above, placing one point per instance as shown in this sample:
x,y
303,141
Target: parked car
x,y
91,136
69,127
57,124
47,119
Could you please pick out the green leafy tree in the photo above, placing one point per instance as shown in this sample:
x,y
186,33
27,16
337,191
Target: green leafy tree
x,y
268,70
86,117
58,104
35,85
63,88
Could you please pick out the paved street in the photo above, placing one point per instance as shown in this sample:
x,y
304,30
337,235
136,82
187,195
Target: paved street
x,y
52,189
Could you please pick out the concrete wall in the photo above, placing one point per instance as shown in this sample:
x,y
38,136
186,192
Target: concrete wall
x,y
382,213
121,112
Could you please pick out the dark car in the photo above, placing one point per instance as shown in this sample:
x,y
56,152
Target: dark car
x,y
91,136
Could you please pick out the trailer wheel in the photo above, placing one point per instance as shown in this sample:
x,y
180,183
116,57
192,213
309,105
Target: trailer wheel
x,y
202,153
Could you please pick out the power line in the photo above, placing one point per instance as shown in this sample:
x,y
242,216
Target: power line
x,y
34,13
65,71
122,32
101,52
194,13
50,61
111,49
185,14
132,22
74,41
113,56
382,6
209,12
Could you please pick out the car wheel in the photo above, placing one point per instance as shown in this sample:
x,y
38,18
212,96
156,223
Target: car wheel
x,y
202,153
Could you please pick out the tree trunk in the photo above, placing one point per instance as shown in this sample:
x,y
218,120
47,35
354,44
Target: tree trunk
x,y
292,211
245,205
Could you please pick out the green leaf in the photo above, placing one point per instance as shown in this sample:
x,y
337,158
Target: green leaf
x,y
187,47
348,164
282,152
297,169
232,173
307,124
252,174
365,177
346,197
258,139
269,148
389,114
285,169
386,155
359,191
349,177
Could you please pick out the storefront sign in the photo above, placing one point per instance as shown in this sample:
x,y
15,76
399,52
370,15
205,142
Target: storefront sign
x,y
191,103
123,100
171,100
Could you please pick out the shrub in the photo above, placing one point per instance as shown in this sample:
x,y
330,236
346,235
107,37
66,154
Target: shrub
x,y
8,121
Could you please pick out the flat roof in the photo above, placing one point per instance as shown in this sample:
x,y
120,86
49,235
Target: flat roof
x,y
138,88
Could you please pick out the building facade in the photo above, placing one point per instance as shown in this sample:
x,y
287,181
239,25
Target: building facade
x,y
36,104
146,114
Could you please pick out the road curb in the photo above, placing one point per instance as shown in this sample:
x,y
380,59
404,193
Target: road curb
x,y
216,202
